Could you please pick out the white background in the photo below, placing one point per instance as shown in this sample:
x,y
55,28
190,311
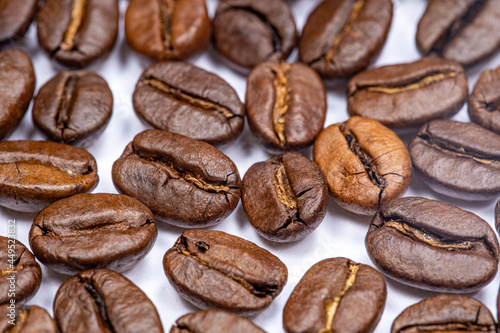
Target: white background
x,y
340,234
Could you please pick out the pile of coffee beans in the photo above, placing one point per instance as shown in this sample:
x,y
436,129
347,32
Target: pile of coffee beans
x,y
200,166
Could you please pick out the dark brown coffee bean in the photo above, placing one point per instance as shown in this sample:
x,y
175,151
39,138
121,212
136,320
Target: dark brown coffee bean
x,y
341,37
34,174
286,105
187,100
15,18
336,295
484,102
249,32
78,32
445,313
214,321
212,269
21,274
285,198
93,231
100,300
459,30
187,183
433,245
167,29
461,160
73,107
497,216
364,162
26,319
410,94
17,85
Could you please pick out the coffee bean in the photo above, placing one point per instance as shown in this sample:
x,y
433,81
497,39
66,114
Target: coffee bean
x,y
497,216
73,107
341,38
286,105
77,32
17,85
212,269
185,182
459,30
248,32
93,230
15,18
433,245
336,295
21,274
364,162
34,174
214,321
409,94
285,198
484,102
100,300
445,313
187,100
461,160
26,319
167,29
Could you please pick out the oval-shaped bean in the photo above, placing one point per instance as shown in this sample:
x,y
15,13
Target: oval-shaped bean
x,y
214,321
484,101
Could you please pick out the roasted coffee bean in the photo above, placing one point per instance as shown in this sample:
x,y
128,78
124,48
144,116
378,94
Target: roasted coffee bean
x,y
445,313
15,18
459,30
286,105
249,32
184,99
461,160
86,231
410,94
26,319
364,162
167,29
73,107
497,216
285,198
21,274
214,321
100,300
336,295
185,182
34,174
484,102
78,32
17,85
341,37
212,269
433,245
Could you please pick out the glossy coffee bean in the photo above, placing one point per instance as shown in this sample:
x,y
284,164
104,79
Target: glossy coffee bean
x,y
75,33
73,107
445,313
286,105
17,85
484,101
213,269
185,182
336,295
341,37
34,174
21,274
433,245
167,29
15,18
248,32
497,216
184,99
214,321
460,160
459,30
27,319
410,94
285,198
365,164
86,231
100,300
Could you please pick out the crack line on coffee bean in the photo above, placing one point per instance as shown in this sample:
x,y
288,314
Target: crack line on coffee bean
x,y
92,229
490,106
98,300
66,104
468,327
423,82
77,13
166,12
282,101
